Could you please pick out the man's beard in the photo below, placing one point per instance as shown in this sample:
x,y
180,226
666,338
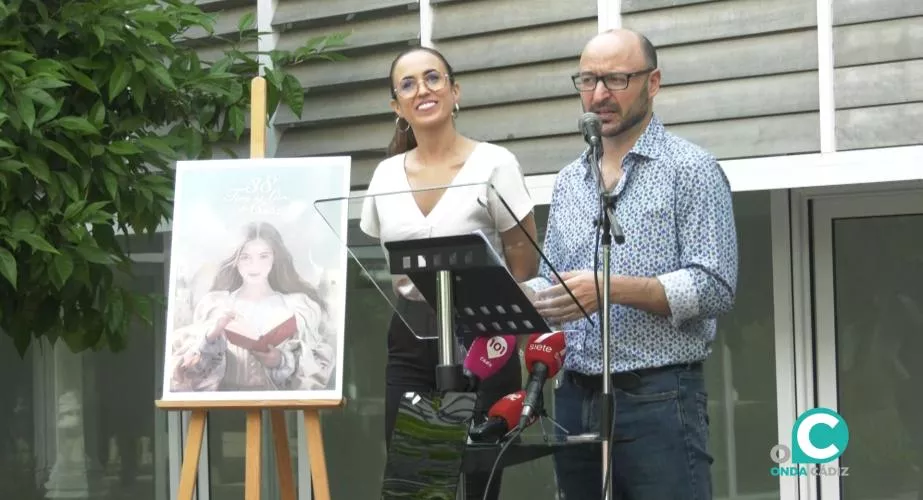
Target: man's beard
x,y
635,115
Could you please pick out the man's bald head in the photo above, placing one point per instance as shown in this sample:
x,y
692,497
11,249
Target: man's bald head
x,y
618,79
625,42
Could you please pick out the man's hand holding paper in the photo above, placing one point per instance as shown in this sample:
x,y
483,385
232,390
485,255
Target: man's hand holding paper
x,y
557,306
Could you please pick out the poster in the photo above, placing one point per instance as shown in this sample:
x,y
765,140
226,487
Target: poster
x,y
256,298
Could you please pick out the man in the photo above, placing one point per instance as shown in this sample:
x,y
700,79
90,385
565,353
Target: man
x,y
674,274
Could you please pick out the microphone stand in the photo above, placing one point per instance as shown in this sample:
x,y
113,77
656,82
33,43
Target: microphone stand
x,y
608,225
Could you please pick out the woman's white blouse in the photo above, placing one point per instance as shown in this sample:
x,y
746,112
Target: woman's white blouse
x,y
390,212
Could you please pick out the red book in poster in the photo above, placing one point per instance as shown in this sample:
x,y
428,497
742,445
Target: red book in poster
x,y
275,336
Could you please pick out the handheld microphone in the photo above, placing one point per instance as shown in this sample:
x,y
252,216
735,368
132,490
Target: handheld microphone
x,y
486,357
544,358
501,418
591,126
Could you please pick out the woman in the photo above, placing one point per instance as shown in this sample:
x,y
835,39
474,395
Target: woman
x,y
256,291
427,151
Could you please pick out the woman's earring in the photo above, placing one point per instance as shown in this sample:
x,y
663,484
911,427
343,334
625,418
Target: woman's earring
x,y
455,113
397,123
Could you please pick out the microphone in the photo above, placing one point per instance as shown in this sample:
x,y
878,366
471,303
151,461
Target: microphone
x,y
486,357
501,418
544,358
591,127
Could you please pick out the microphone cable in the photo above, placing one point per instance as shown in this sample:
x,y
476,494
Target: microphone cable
x,y
513,435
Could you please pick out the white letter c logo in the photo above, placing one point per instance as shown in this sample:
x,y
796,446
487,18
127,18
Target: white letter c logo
x,y
804,436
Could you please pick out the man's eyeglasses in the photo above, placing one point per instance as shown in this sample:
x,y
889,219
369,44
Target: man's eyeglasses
x,y
586,82
433,80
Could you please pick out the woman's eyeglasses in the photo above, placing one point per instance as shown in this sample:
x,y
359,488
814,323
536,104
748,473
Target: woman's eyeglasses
x,y
433,80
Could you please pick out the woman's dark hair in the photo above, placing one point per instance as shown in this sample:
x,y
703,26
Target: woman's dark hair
x,y
283,277
404,140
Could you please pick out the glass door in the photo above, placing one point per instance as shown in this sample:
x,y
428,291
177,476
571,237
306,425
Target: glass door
x,y
868,303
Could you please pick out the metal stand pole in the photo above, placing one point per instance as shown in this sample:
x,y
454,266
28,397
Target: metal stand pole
x,y
607,402
444,318
449,374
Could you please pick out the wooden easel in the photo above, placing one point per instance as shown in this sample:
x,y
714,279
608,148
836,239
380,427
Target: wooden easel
x,y
319,482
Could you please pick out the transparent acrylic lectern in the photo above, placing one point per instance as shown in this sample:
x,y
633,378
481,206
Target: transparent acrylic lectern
x,y
448,282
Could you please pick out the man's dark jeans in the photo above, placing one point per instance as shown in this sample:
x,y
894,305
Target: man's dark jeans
x,y
663,423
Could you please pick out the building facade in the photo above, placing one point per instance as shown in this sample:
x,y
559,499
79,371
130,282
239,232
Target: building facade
x,y
815,109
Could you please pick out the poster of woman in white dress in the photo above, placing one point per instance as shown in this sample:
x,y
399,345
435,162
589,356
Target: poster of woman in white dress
x,y
257,281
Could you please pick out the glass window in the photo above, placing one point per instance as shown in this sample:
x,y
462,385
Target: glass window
x,y
19,456
879,338
126,434
84,425
741,371
740,376
354,435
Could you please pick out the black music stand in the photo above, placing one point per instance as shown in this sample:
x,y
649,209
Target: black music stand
x,y
468,286
470,289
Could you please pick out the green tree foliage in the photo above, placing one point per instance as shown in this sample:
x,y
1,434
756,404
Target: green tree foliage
x,y
98,99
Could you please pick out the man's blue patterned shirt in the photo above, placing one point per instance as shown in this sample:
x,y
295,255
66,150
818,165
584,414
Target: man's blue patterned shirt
x,y
673,203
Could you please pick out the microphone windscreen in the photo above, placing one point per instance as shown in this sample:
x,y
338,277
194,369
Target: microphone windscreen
x,y
509,408
488,355
590,125
547,348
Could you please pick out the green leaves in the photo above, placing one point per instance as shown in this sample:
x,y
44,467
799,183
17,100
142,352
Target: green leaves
x,y
123,148
237,119
98,99
25,107
293,93
8,266
16,57
77,124
81,78
62,268
121,74
37,242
